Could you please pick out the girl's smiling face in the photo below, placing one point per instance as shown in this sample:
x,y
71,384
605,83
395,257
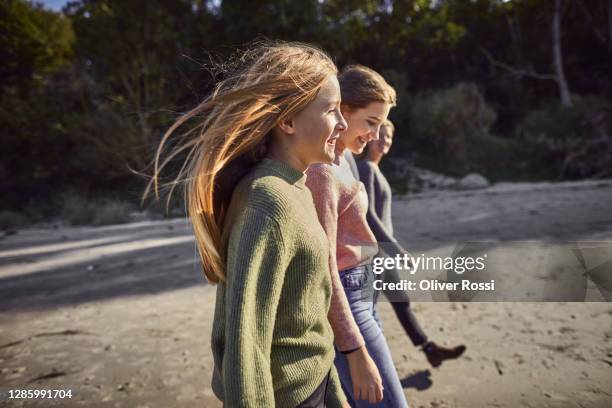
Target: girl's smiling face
x,y
316,129
363,125
384,142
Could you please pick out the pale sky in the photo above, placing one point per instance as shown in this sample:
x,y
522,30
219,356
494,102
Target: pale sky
x,y
54,4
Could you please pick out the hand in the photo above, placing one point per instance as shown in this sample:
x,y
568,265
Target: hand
x,y
367,384
345,404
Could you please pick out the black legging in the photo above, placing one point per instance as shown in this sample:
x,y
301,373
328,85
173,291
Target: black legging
x,y
401,305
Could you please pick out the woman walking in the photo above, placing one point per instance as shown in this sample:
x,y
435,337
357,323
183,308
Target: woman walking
x,y
256,226
363,359
379,220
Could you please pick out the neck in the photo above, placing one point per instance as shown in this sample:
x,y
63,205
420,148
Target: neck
x,y
340,148
374,158
287,156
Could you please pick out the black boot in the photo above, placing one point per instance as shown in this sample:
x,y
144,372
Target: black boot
x,y
437,354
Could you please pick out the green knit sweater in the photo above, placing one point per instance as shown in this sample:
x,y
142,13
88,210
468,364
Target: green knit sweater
x,y
271,340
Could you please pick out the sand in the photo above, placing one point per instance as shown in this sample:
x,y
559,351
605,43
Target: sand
x,y
121,316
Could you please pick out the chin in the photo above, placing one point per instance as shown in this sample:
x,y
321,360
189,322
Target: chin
x,y
357,149
328,157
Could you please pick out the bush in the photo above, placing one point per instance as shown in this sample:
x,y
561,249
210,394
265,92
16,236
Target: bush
x,y
451,113
571,142
498,158
78,211
111,212
10,220
449,129
162,209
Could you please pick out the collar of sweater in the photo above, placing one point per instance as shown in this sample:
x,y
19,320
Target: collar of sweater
x,y
285,171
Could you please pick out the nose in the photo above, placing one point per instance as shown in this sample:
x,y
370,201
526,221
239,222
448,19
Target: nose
x,y
375,134
341,125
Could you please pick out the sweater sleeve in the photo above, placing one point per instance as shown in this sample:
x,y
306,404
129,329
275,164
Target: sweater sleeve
x,y
335,395
384,237
325,194
256,265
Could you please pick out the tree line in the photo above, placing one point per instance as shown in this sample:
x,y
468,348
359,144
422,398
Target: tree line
x,y
516,90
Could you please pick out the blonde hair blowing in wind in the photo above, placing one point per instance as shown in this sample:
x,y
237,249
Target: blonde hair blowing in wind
x,y
232,128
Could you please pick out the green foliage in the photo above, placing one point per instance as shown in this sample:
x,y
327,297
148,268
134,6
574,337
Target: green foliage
x,y
10,220
132,51
76,210
445,124
451,113
88,124
33,42
112,212
449,131
574,142
86,94
558,124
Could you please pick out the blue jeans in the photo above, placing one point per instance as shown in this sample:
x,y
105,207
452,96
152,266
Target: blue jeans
x,y
359,291
401,306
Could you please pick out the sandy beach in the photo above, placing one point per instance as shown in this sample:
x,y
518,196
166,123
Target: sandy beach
x,y
121,315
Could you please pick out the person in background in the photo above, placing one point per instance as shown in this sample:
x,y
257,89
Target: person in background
x,y
379,220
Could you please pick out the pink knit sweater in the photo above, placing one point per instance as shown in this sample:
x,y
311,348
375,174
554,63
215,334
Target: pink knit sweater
x,y
341,202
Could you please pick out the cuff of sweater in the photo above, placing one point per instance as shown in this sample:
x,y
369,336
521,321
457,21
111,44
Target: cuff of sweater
x,y
350,344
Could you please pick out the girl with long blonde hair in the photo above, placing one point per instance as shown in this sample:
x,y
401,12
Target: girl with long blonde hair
x,y
256,226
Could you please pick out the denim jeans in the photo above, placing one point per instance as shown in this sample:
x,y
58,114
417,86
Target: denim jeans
x,y
359,291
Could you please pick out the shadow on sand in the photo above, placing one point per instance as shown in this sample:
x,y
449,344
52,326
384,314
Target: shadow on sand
x,y
420,381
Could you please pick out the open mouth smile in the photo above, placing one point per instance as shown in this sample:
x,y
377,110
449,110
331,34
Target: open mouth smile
x,y
332,140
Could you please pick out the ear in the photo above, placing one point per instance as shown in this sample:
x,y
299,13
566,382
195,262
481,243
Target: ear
x,y
287,125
